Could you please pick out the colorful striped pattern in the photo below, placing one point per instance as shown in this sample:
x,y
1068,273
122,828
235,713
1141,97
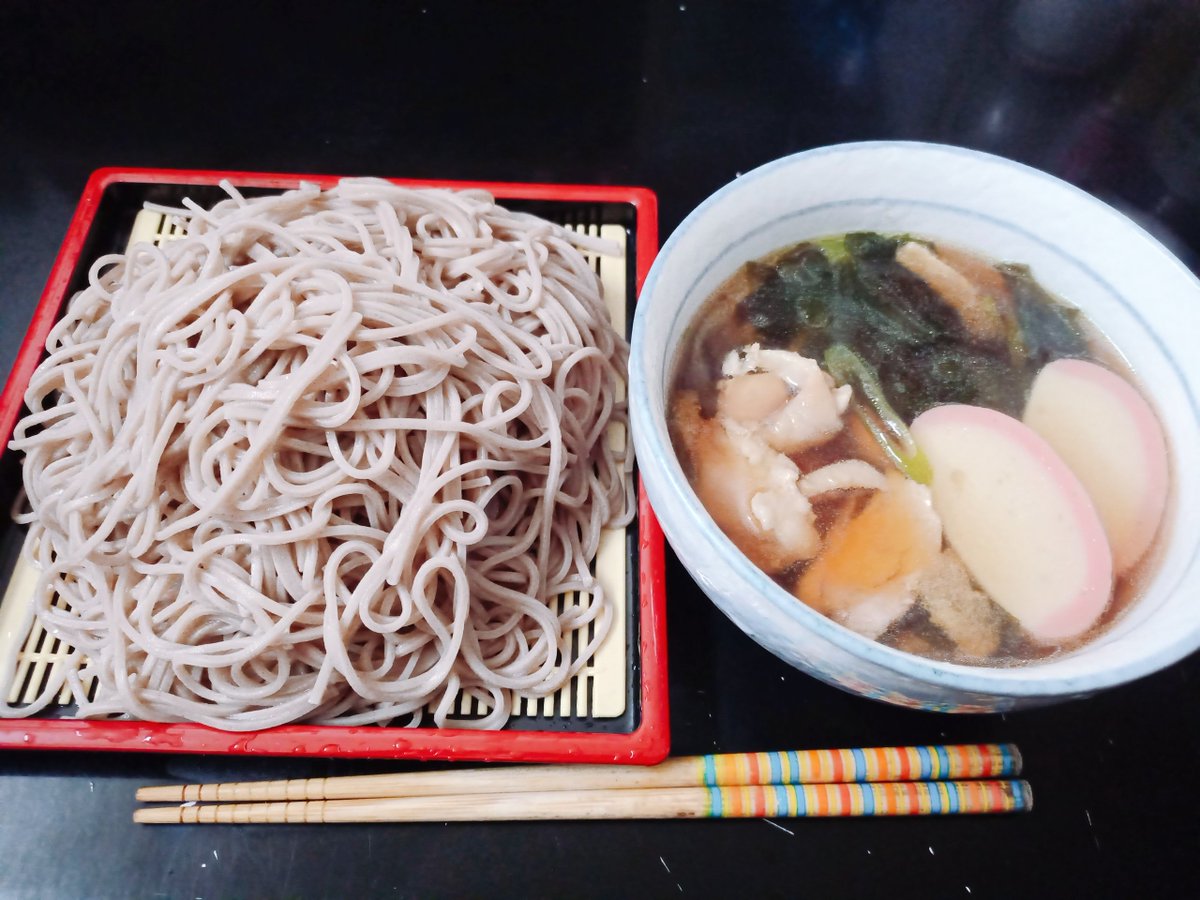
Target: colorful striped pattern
x,y
924,763
874,799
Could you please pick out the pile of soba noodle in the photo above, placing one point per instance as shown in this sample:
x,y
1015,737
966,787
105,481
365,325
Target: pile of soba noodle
x,y
329,456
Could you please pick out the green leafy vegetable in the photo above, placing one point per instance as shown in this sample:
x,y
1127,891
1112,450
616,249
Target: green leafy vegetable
x,y
954,373
1049,330
871,245
847,367
834,248
793,295
849,290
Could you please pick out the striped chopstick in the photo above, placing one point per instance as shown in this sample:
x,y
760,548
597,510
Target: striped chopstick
x,y
911,798
872,764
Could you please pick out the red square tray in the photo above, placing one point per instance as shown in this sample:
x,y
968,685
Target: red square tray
x,y
647,740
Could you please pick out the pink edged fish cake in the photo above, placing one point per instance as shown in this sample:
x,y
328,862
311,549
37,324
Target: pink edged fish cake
x,y
1111,439
1018,517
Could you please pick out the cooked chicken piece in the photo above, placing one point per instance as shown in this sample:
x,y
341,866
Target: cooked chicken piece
x,y
844,475
752,492
753,397
782,396
986,277
978,312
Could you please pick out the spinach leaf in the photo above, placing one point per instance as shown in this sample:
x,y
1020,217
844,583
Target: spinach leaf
x,y
793,295
949,372
1049,330
849,290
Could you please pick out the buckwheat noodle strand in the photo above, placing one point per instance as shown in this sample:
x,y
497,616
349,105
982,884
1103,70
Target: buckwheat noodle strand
x,y
328,457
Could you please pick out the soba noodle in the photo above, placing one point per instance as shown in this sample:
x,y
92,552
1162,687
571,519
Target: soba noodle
x,y
328,457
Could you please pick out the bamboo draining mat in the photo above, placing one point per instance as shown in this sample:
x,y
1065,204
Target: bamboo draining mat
x,y
599,691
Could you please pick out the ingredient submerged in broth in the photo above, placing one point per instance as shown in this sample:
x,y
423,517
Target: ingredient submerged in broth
x,y
1020,520
791,409
1110,438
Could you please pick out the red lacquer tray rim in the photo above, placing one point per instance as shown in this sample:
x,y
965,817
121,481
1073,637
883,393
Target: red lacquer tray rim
x,y
645,745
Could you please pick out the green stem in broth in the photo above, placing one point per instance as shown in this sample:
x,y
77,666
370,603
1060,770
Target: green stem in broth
x,y
884,423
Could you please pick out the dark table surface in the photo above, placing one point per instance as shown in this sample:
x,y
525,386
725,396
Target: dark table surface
x,y
679,97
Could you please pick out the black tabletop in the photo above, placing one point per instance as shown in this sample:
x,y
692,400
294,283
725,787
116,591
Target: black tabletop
x,y
679,97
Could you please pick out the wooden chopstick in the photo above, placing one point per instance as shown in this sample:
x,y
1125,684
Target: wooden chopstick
x,y
872,764
910,798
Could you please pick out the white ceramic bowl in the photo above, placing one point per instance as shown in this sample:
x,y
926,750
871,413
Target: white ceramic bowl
x,y
1133,289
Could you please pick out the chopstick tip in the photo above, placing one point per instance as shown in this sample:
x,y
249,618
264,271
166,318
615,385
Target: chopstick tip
x,y
160,793
1026,796
157,815
1018,761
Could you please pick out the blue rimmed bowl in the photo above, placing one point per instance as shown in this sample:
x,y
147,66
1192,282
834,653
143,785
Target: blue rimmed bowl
x,y
1127,283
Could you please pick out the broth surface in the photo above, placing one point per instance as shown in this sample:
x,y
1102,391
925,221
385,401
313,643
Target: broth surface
x,y
920,324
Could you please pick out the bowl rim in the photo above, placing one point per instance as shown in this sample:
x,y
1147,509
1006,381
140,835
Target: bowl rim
x,y
655,456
